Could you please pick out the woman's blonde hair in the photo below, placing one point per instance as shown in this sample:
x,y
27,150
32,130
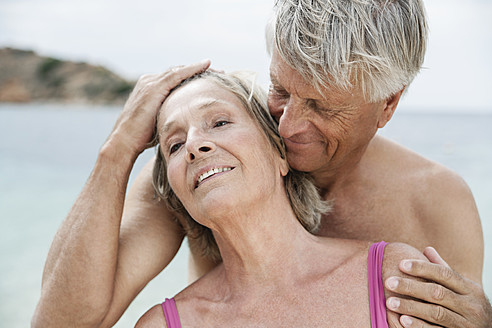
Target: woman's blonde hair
x,y
303,195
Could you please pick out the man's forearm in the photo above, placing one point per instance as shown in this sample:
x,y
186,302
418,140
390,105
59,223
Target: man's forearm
x,y
81,270
79,274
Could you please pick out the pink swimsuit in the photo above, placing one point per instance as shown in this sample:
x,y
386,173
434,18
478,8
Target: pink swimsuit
x,y
377,302
171,313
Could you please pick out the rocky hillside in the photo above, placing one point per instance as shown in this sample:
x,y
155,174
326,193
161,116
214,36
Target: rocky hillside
x,y
25,77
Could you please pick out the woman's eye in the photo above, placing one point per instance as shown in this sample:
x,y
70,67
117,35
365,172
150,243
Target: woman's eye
x,y
220,123
174,148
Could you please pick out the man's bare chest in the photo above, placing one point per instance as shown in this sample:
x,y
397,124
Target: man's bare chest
x,y
374,219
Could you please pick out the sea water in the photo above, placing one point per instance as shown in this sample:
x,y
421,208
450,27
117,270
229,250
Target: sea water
x,y
47,152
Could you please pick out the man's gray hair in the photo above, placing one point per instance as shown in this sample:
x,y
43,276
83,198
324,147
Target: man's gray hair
x,y
376,46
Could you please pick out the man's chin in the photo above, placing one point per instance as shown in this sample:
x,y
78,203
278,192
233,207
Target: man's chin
x,y
303,163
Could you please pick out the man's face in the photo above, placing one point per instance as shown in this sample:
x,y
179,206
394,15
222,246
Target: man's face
x,y
323,132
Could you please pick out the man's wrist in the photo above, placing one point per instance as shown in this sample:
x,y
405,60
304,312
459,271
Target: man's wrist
x,y
118,153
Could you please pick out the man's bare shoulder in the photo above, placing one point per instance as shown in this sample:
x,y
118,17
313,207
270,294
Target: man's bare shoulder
x,y
423,177
442,203
398,157
153,318
432,187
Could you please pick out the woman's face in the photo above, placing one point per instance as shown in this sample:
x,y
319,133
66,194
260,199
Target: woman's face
x,y
217,157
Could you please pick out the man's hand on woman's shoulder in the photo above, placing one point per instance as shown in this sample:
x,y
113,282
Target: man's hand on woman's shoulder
x,y
440,296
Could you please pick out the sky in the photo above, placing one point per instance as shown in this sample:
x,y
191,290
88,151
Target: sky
x,y
148,36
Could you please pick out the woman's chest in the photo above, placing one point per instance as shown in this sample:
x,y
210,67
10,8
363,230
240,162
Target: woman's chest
x,y
342,301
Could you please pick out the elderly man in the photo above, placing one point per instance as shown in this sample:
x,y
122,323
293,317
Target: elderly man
x,y
338,71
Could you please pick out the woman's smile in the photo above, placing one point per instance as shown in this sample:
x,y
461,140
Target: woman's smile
x,y
209,134
211,173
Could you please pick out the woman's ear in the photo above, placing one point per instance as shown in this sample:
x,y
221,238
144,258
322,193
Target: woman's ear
x,y
284,167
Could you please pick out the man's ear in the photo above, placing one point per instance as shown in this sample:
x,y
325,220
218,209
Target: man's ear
x,y
389,108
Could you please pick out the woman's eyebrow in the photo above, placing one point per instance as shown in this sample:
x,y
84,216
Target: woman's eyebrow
x,y
208,103
212,102
166,128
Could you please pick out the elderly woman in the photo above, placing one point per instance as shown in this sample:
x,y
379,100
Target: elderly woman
x,y
221,167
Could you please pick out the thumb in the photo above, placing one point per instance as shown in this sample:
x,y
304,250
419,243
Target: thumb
x,y
433,256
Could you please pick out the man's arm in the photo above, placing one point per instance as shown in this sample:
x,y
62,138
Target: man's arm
x,y
448,298
91,273
149,239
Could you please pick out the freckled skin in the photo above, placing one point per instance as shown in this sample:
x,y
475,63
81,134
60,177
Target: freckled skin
x,y
381,190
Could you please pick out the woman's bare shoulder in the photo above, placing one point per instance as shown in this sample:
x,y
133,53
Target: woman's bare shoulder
x,y
153,318
394,253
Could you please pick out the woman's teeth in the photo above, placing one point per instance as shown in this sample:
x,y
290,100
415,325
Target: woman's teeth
x,y
212,172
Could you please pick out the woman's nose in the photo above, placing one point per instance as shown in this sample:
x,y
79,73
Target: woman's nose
x,y
197,145
193,154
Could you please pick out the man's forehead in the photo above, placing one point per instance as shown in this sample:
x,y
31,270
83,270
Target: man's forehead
x,y
284,76
281,74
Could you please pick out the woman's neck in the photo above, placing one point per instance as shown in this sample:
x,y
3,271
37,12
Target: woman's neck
x,y
262,246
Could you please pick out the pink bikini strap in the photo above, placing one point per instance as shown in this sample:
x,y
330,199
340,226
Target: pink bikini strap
x,y
171,313
377,301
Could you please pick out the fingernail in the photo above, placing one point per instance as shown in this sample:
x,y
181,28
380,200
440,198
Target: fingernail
x,y
392,283
406,321
406,264
394,303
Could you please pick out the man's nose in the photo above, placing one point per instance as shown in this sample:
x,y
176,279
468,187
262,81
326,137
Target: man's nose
x,y
197,144
293,119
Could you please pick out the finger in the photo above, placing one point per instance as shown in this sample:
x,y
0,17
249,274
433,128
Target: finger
x,y
221,71
176,75
410,322
431,313
438,273
152,89
433,256
429,292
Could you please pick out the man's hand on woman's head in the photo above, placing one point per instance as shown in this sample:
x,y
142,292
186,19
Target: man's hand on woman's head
x,y
444,299
135,126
